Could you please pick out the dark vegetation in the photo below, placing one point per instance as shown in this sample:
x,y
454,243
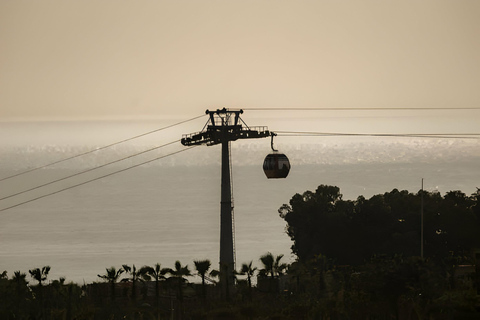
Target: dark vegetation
x,y
355,260
351,232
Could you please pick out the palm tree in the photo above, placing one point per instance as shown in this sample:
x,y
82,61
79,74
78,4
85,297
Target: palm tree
x,y
21,294
19,277
268,261
135,276
249,271
278,267
272,265
202,267
179,274
40,274
158,274
112,277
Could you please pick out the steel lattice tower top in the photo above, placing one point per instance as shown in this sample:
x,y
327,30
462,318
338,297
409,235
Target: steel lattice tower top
x,y
224,125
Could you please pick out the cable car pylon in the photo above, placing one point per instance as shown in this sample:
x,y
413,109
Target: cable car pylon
x,y
225,125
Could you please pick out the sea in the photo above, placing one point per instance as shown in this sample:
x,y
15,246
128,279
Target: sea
x,y
123,205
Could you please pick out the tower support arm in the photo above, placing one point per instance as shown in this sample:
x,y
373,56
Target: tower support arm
x,y
214,135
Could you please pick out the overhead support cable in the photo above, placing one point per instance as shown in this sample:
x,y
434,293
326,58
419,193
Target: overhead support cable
x,y
360,109
100,148
406,135
95,179
88,170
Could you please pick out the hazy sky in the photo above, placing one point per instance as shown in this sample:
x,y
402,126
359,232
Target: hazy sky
x,y
117,58
129,59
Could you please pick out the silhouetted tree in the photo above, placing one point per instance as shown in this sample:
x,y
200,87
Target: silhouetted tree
x,y
135,276
268,261
40,275
279,267
20,295
202,267
272,266
158,274
248,270
353,231
112,276
316,220
179,275
4,296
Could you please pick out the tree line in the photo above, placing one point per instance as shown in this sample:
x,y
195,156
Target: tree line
x,y
351,232
354,260
149,292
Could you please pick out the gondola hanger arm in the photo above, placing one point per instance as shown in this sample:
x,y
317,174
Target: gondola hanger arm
x,y
271,144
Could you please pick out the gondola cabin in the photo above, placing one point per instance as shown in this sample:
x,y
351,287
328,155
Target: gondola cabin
x,y
276,165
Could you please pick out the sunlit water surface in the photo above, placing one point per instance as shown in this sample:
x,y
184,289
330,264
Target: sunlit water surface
x,y
170,210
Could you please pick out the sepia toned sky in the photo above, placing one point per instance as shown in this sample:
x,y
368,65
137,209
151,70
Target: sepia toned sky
x,y
131,59
169,60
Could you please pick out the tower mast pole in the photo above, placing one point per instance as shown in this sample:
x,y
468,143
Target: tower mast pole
x,y
227,259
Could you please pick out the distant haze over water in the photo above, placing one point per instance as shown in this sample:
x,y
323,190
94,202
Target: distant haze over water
x,y
169,209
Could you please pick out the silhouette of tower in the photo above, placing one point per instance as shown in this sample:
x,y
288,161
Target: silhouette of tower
x,y
223,127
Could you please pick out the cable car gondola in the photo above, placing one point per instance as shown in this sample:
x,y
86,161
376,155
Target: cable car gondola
x,y
276,165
